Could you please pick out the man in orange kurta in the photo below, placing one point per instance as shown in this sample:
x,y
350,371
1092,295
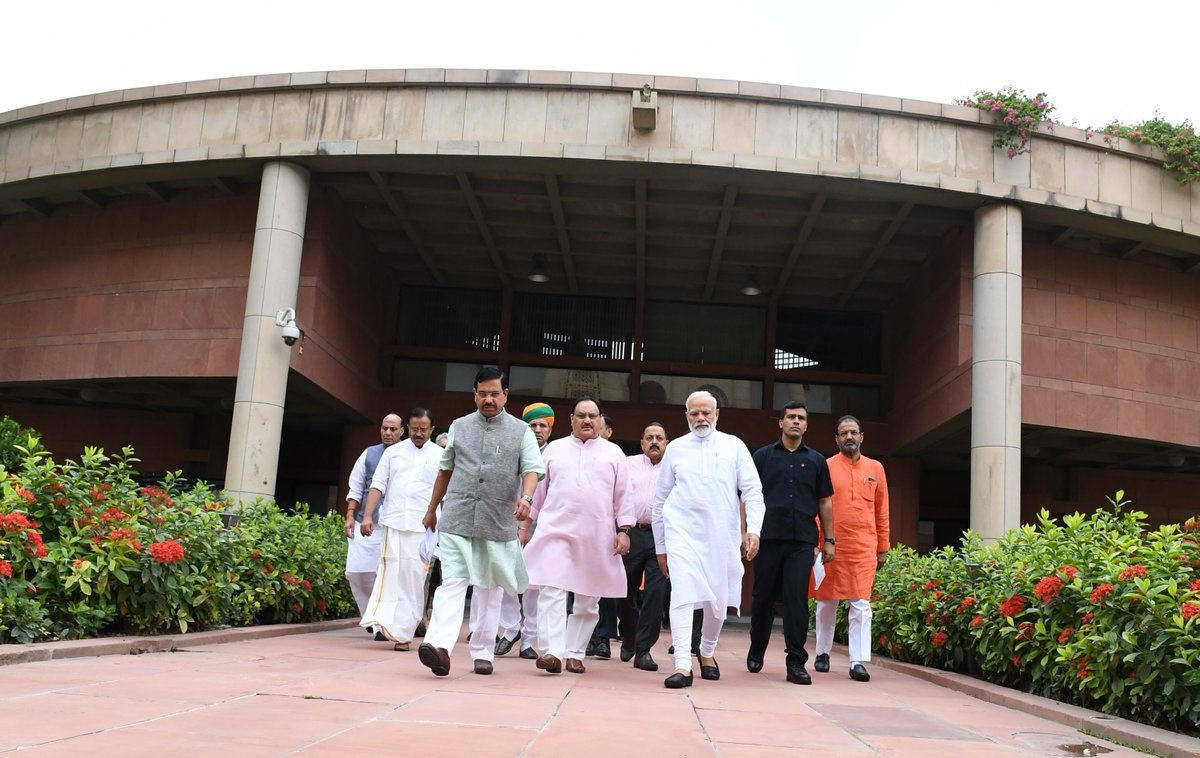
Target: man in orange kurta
x,y
860,508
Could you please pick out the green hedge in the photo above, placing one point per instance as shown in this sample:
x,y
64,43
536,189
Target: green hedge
x,y
1096,610
85,551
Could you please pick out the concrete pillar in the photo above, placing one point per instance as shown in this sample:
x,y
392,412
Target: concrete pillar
x,y
264,360
996,372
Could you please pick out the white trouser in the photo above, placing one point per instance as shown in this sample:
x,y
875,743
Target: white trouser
x,y
561,635
398,598
859,640
681,634
511,608
361,583
445,621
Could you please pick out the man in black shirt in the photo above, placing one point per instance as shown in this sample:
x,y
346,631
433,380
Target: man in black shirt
x,y
797,489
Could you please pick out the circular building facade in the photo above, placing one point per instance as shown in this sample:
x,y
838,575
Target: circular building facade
x,y
1014,333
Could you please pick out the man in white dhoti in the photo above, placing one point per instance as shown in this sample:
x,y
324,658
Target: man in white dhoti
x,y
698,532
489,454
362,553
400,489
584,517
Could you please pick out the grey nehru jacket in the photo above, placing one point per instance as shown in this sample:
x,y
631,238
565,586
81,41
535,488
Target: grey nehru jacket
x,y
488,457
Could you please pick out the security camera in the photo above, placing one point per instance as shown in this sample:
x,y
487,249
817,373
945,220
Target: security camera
x,y
291,333
286,321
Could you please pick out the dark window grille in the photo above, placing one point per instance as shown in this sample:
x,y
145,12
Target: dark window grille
x,y
449,318
559,325
699,333
833,340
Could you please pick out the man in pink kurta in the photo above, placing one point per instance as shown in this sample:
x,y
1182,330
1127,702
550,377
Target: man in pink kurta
x,y
860,508
578,545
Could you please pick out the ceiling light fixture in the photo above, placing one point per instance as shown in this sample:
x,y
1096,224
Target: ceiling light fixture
x,y
750,287
538,273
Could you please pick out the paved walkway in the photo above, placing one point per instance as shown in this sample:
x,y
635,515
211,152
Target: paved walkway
x,y
336,692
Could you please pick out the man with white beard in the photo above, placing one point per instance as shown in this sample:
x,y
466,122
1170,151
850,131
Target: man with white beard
x,y
704,477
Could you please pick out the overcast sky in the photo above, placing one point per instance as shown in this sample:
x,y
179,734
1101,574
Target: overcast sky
x,y
1096,60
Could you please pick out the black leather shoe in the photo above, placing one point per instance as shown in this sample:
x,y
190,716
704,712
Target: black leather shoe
x,y
482,666
678,681
858,673
591,649
529,653
626,654
503,644
644,662
754,663
822,662
603,650
711,673
379,637
797,675
436,658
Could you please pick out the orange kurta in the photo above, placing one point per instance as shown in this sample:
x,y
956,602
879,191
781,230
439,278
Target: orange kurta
x,y
860,522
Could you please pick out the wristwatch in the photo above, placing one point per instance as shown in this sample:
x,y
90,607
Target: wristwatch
x,y
527,498
625,530
831,540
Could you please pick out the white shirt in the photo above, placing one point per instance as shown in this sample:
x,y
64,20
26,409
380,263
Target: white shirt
x,y
405,477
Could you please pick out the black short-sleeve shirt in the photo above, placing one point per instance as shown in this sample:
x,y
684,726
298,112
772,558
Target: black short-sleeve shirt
x,y
792,482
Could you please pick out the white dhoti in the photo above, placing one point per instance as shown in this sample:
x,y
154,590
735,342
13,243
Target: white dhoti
x,y
397,599
362,559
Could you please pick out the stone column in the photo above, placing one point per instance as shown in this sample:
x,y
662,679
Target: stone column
x,y
996,372
264,360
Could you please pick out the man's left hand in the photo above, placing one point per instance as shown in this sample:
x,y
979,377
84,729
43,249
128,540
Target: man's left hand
x,y
621,543
749,546
827,552
521,511
880,559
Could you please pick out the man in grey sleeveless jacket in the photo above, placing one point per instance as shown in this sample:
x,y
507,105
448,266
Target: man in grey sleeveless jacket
x,y
488,456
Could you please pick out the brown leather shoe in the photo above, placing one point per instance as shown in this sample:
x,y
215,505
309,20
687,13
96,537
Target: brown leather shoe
x,y
575,666
402,647
436,658
550,664
482,666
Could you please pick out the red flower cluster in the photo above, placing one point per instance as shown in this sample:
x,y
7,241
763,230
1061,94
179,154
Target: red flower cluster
x,y
321,606
1012,606
1068,571
1133,571
157,496
1087,617
20,523
1065,635
1195,585
966,604
26,495
167,551
112,514
306,584
1190,610
1025,630
1016,661
1048,588
930,585
1082,669
976,622
940,638
5,569
1102,592
293,581
126,535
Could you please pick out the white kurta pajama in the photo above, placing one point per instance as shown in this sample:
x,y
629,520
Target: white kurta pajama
x,y
405,477
577,507
697,524
362,553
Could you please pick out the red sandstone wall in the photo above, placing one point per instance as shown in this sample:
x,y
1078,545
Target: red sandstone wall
x,y
1110,346
931,346
140,288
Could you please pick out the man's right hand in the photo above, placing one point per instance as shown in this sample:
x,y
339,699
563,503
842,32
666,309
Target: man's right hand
x,y
662,565
430,520
367,527
349,529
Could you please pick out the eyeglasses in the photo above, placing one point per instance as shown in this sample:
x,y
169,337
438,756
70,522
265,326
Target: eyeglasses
x,y
494,394
585,416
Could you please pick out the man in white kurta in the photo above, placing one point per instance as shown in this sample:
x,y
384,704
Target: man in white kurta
x,y
362,553
698,534
584,516
401,486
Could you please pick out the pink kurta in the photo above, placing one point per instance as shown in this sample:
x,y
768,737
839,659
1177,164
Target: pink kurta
x,y
578,506
860,522
642,476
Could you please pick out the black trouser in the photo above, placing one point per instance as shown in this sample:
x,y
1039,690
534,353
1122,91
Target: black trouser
x,y
781,567
640,622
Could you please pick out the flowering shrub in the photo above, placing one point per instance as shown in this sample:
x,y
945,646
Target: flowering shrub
x,y
86,550
1179,142
1097,611
1019,116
